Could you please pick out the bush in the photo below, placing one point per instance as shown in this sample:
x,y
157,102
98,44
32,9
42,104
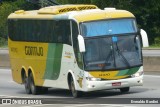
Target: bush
x,y
157,41
9,6
3,42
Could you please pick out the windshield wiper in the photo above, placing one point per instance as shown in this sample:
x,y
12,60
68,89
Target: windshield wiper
x,y
123,57
107,58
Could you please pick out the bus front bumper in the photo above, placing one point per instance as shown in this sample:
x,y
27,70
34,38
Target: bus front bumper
x,y
113,84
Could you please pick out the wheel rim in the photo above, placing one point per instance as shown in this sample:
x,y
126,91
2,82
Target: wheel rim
x,y
32,85
27,86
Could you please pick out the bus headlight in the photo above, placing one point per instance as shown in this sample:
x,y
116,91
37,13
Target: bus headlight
x,y
93,79
137,74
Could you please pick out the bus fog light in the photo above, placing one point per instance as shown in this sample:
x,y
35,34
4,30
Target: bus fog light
x,y
137,74
93,79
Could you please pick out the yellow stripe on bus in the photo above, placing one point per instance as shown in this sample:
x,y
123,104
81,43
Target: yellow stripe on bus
x,y
106,74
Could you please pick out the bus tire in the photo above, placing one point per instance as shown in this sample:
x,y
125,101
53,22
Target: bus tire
x,y
74,92
124,90
44,90
34,89
27,85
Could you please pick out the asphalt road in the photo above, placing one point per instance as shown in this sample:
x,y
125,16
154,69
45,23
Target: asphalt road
x,y
151,89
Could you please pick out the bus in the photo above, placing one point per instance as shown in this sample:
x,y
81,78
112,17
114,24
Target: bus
x,y
77,47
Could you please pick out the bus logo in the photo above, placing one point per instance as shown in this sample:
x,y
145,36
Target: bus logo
x,y
33,51
103,75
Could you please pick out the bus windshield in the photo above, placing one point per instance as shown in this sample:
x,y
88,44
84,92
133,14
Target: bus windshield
x,y
108,27
120,49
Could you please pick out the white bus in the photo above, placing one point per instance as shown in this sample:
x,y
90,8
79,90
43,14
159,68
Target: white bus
x,y
76,47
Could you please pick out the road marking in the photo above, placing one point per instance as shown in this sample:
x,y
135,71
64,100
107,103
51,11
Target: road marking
x,y
2,105
11,81
38,105
152,76
116,105
30,96
5,69
8,96
108,105
79,105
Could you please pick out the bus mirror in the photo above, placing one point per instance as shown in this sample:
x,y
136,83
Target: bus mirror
x,y
81,43
144,38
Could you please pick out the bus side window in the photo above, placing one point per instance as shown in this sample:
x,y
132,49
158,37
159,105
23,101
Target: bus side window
x,y
62,31
16,36
75,44
67,33
40,30
58,35
51,30
12,28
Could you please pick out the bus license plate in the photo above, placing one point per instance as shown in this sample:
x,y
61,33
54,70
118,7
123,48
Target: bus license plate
x,y
116,84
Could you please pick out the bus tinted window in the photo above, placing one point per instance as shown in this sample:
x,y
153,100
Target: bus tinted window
x,y
40,30
78,55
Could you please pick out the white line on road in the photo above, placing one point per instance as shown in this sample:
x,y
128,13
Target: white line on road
x,y
5,69
79,105
11,81
2,105
152,76
38,105
116,105
99,105
8,96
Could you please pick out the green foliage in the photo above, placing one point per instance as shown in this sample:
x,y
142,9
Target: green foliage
x,y
3,42
7,7
5,10
157,41
147,12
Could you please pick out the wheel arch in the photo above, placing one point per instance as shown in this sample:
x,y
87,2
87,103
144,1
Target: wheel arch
x,y
23,74
30,70
71,74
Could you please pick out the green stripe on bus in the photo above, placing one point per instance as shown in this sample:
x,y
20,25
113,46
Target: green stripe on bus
x,y
122,72
53,63
128,71
133,70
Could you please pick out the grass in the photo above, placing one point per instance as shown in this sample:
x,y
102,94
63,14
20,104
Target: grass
x,y
154,46
4,46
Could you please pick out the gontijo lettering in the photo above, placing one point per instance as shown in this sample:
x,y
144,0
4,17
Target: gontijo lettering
x,y
33,51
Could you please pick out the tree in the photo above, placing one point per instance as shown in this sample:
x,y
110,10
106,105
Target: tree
x,y
9,6
147,12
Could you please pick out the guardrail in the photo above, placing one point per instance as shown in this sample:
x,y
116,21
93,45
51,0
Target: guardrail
x,y
151,63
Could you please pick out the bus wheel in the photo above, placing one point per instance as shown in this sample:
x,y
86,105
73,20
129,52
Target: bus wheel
x,y
27,85
44,90
34,89
75,93
124,90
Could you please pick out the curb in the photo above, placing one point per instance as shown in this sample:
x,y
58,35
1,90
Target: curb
x,y
3,48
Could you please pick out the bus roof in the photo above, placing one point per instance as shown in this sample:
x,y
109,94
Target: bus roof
x,y
79,13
